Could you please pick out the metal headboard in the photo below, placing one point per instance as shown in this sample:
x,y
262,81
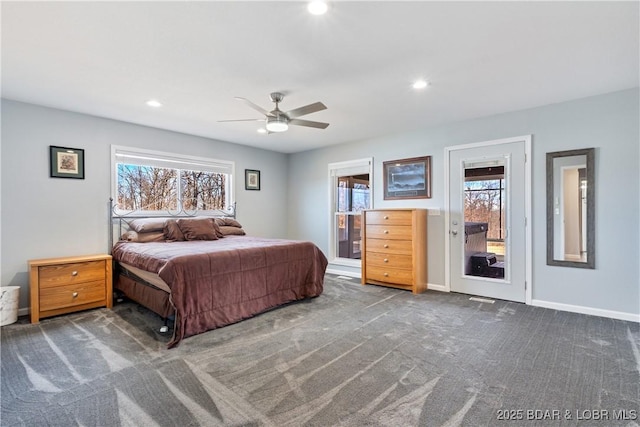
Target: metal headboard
x,y
119,221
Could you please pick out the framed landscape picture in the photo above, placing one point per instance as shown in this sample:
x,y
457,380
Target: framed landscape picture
x,y
407,178
251,179
66,162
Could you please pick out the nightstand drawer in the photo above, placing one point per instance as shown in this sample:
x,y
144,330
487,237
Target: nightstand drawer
x,y
389,217
67,274
393,232
69,295
390,275
389,260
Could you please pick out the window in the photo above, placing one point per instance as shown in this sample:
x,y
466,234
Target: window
x,y
153,181
350,194
484,202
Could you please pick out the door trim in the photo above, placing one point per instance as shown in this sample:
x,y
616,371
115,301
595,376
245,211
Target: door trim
x,y
527,208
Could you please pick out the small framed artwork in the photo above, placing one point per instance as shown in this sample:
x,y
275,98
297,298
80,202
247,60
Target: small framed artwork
x,y
251,179
407,178
66,162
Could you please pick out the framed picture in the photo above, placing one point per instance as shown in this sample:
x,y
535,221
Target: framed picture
x,y
407,178
66,162
251,179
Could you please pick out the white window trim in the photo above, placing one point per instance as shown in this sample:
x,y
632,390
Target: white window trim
x,y
349,167
171,160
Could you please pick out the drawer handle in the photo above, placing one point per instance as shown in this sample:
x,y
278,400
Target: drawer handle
x,y
74,273
386,231
386,260
385,246
386,274
386,217
75,295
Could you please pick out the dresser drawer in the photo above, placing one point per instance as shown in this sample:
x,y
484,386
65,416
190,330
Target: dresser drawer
x,y
389,217
393,232
404,247
390,275
378,259
67,274
53,298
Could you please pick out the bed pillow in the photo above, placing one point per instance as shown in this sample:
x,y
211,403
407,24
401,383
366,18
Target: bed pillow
x,y
217,228
145,225
229,222
172,231
228,230
213,223
198,228
151,236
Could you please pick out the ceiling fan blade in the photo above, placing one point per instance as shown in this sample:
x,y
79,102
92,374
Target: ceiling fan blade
x,y
254,106
308,123
242,120
307,109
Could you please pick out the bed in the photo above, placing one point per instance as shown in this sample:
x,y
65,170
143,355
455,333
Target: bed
x,y
208,273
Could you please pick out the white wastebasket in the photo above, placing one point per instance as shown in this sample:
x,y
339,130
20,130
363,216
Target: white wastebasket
x,y
9,299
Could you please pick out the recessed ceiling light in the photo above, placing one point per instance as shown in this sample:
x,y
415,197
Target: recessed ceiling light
x,y
262,130
317,7
420,84
154,103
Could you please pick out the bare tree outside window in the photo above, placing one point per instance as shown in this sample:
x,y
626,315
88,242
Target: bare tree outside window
x,y
202,190
146,188
484,202
149,188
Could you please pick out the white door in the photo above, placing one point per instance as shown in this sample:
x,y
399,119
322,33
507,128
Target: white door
x,y
488,205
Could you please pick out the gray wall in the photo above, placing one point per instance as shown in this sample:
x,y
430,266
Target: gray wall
x,y
46,217
609,122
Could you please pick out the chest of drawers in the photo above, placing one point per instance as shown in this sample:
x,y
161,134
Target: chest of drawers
x,y
394,248
64,285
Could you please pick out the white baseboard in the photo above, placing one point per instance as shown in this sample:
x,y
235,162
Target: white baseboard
x,y
343,273
434,287
587,310
538,303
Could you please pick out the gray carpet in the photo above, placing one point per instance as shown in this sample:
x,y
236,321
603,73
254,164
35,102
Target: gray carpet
x,y
355,356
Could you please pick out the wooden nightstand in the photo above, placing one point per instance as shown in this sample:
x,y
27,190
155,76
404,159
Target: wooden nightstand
x,y
68,284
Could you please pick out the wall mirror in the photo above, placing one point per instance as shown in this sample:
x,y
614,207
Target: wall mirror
x,y
571,208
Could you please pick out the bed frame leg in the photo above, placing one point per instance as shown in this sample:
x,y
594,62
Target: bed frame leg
x,y
165,328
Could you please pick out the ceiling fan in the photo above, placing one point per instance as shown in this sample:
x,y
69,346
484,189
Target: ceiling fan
x,y
278,120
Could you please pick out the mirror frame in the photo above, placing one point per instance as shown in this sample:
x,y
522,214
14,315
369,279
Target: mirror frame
x,y
591,217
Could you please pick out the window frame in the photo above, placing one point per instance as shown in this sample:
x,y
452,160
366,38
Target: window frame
x,y
500,190
336,170
155,158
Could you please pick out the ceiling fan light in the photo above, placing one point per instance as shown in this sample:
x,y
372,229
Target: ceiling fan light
x,y
277,124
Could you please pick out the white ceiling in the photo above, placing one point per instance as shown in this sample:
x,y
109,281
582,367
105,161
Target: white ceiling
x,y
482,58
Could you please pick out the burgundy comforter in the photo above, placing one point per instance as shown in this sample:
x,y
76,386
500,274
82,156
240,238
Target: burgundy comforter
x,y
219,282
